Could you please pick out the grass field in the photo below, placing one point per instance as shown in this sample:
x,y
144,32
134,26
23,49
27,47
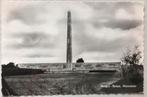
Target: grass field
x,y
59,83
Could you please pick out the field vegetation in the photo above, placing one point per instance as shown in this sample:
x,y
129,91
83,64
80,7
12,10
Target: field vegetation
x,y
132,73
59,84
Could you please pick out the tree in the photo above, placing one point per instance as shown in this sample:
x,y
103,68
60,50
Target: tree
x,y
132,57
11,64
80,60
132,69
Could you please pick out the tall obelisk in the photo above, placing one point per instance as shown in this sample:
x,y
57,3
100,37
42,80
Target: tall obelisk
x,y
69,41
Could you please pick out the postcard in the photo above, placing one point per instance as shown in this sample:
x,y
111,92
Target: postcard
x,y
72,47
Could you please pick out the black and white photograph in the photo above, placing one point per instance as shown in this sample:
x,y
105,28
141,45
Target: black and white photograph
x,y
72,47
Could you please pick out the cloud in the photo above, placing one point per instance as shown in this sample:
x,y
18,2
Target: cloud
x,y
31,40
36,31
123,15
119,10
38,55
28,14
123,24
49,12
106,39
98,48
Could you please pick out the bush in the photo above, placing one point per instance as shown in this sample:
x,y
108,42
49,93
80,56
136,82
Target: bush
x,y
133,73
10,69
80,60
132,70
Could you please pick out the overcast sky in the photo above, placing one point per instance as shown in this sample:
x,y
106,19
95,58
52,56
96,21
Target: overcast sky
x,y
35,31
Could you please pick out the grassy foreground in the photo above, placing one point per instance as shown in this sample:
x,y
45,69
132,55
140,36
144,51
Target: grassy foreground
x,y
126,87
59,83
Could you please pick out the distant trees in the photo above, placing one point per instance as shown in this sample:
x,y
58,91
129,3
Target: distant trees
x,y
9,65
13,69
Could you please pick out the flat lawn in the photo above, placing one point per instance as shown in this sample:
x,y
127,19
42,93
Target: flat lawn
x,y
59,83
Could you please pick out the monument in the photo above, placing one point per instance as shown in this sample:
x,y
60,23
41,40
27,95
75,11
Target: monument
x,y
80,65
69,42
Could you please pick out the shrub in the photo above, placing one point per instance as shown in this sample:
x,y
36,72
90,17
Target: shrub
x,y
80,60
132,70
133,73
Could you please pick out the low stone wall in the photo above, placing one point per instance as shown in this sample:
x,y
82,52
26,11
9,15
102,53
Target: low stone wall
x,y
75,66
